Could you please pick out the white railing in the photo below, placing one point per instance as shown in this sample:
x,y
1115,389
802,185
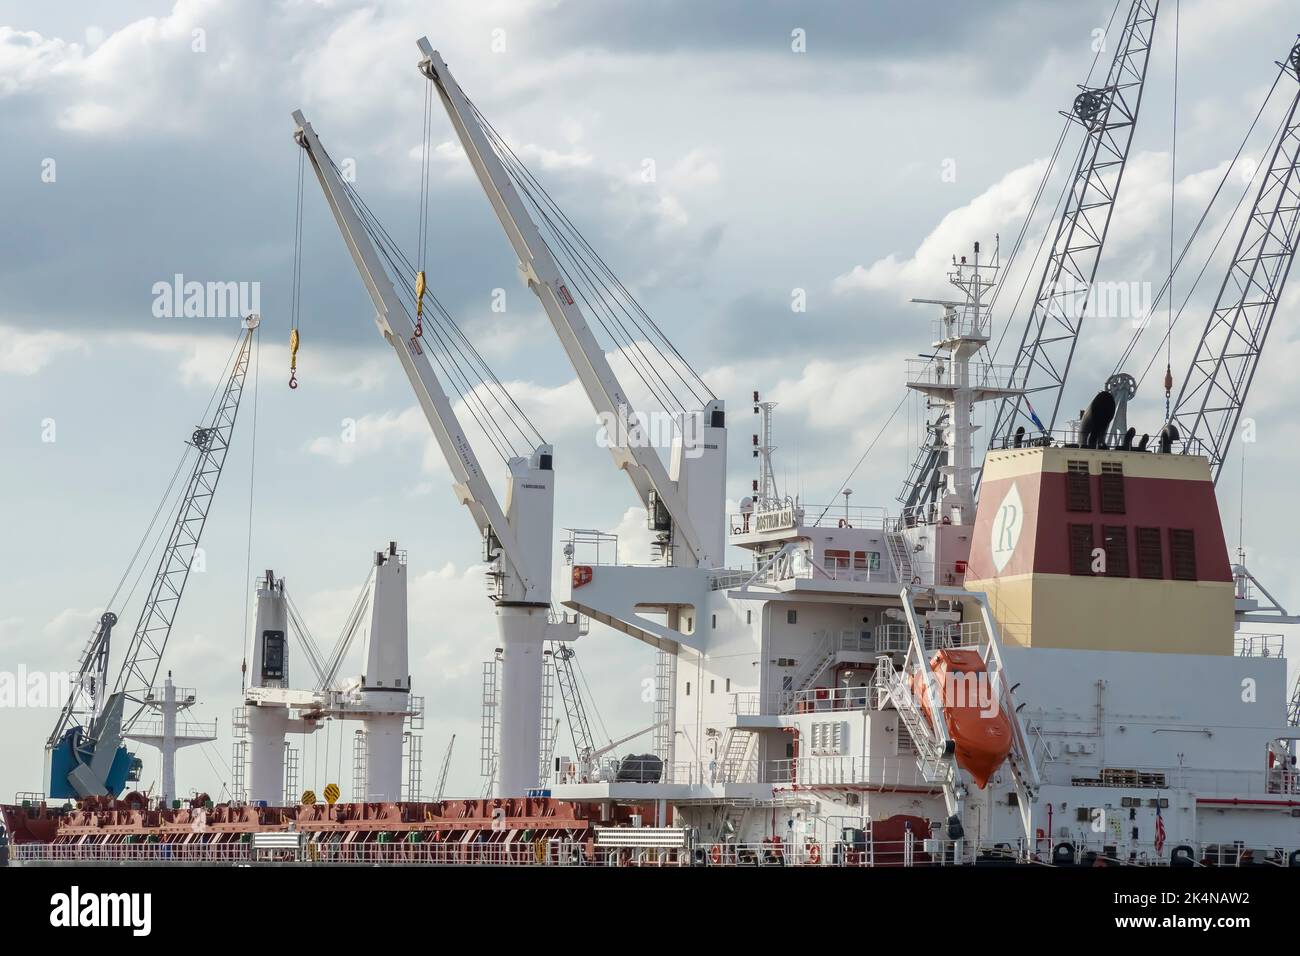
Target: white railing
x,y
507,848
854,516
834,770
896,638
184,728
978,374
1259,645
132,852
814,700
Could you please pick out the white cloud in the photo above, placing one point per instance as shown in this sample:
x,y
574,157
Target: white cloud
x,y
370,434
26,353
28,59
991,212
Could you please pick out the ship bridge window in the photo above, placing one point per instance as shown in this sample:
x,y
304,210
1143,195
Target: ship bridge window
x,y
1114,540
1078,487
1150,559
1081,549
866,560
836,559
1182,554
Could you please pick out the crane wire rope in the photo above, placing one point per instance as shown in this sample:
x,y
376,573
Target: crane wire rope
x,y
252,474
1126,355
615,292
461,362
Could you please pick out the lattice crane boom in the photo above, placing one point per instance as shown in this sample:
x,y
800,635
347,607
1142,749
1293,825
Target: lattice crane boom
x,y
1109,115
1214,391
84,751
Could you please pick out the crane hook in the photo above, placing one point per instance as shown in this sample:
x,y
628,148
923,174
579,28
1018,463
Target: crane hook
x,y
420,287
293,358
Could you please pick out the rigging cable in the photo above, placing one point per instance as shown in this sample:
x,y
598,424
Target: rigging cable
x,y
454,347
1173,183
1137,334
615,293
252,472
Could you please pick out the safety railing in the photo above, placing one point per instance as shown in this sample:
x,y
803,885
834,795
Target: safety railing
x,y
1259,645
184,728
814,700
833,770
854,847
1069,438
939,373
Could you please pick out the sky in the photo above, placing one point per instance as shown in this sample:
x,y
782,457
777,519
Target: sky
x,y
830,154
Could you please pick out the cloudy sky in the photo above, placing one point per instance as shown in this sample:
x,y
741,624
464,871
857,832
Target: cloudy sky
x,y
145,138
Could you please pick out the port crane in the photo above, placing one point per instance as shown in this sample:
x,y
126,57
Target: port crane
x,y
684,506
85,754
517,538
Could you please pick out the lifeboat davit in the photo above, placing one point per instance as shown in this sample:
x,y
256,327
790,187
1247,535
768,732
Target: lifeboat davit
x,y
979,729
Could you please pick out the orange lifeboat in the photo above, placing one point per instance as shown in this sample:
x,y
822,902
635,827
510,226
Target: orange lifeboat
x,y
979,729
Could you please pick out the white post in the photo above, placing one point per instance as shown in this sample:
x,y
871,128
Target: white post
x,y
386,686
523,636
169,742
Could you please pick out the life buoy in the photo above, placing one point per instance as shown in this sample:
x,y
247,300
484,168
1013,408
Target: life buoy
x,y
715,854
814,853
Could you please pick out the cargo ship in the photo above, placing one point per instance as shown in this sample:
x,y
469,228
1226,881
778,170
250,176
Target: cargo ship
x,y
1043,655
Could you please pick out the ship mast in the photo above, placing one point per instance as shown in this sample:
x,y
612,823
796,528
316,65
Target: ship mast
x,y
952,384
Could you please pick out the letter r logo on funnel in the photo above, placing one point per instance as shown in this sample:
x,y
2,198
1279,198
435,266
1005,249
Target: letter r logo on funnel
x,y
1007,523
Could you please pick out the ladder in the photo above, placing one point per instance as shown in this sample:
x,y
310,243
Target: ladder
x,y
735,751
487,750
900,553
413,744
665,667
360,792
934,765
239,754
291,759
549,726
1293,709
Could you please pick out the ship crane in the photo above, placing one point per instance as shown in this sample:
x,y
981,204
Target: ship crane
x,y
517,538
1108,115
1213,393
85,755
442,772
686,507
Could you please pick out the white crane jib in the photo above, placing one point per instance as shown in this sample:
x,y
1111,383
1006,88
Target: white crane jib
x,y
518,539
692,497
528,570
